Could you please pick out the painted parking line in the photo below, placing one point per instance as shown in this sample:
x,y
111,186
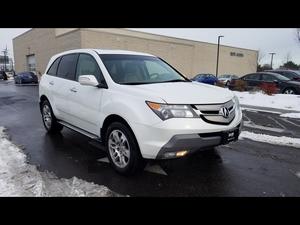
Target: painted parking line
x,y
277,130
259,110
105,160
155,168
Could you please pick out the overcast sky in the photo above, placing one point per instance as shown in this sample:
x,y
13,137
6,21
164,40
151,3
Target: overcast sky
x,y
280,41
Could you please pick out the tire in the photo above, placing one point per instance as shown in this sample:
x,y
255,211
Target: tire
x,y
289,91
123,150
49,120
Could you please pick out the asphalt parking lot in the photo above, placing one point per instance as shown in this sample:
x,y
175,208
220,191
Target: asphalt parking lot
x,y
243,168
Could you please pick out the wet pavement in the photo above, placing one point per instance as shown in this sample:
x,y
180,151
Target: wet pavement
x,y
243,168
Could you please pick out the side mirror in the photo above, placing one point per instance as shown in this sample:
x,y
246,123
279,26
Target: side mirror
x,y
88,80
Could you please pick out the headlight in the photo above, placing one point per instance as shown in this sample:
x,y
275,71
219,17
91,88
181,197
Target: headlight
x,y
166,111
236,102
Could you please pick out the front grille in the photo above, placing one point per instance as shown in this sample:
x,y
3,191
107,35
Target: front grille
x,y
211,113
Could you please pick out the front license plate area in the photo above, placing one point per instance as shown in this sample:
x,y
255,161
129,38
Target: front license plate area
x,y
230,136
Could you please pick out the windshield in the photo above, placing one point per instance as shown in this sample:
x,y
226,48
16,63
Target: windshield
x,y
138,69
280,77
225,76
297,72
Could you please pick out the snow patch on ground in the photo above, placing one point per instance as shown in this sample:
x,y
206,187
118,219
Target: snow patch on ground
x,y
291,115
278,101
18,178
283,140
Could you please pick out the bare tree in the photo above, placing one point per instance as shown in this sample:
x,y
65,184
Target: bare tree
x,y
298,34
260,56
287,58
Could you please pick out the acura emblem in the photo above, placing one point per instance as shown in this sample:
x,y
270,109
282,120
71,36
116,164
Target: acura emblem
x,y
224,112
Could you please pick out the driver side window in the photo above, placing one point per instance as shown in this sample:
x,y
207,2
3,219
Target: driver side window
x,y
268,78
87,65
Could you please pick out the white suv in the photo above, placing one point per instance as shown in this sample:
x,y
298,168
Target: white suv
x,y
136,104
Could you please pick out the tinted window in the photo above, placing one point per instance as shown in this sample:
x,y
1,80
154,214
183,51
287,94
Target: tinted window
x,y
67,66
87,65
253,76
267,77
53,68
136,69
287,74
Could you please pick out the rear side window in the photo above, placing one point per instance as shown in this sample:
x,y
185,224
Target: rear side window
x,y
53,68
67,67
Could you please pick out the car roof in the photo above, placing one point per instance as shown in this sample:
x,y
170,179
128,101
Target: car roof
x,y
270,73
103,51
280,70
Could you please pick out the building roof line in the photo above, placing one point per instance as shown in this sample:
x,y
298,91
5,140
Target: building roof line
x,y
186,39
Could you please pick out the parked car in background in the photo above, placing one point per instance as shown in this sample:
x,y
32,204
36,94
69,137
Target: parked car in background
x,y
25,78
206,78
3,75
226,78
291,74
255,80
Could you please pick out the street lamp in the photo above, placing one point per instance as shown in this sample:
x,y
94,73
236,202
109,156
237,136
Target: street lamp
x,y
219,37
272,53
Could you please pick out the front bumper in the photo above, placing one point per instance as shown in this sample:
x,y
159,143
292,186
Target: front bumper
x,y
179,133
192,143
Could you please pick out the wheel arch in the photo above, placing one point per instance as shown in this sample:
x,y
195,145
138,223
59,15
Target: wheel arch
x,y
294,89
114,118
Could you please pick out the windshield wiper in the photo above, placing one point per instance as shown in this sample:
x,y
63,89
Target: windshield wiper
x,y
176,80
135,83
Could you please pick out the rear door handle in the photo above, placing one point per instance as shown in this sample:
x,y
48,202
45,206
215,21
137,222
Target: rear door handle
x,y
51,82
73,89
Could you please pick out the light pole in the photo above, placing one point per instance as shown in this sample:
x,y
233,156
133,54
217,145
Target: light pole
x,y
5,54
217,67
272,53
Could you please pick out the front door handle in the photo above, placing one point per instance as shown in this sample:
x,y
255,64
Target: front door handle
x,y
51,82
73,89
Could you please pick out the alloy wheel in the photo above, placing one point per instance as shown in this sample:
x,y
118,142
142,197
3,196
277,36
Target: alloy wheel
x,y
47,116
289,91
119,148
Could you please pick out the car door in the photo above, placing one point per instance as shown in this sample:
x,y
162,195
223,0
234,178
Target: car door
x,y
252,80
268,78
271,79
62,85
85,101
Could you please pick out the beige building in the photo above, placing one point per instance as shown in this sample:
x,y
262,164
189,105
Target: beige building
x,y
33,49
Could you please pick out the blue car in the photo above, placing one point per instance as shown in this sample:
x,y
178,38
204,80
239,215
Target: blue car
x,y
26,78
206,78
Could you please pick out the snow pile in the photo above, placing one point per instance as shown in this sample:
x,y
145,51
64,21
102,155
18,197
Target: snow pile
x,y
18,178
283,140
278,101
291,115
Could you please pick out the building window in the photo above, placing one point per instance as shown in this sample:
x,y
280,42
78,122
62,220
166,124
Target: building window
x,y
31,65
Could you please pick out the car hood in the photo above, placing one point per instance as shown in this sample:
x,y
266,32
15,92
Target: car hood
x,y
184,92
297,83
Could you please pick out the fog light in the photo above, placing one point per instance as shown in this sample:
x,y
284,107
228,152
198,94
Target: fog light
x,y
181,153
169,155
